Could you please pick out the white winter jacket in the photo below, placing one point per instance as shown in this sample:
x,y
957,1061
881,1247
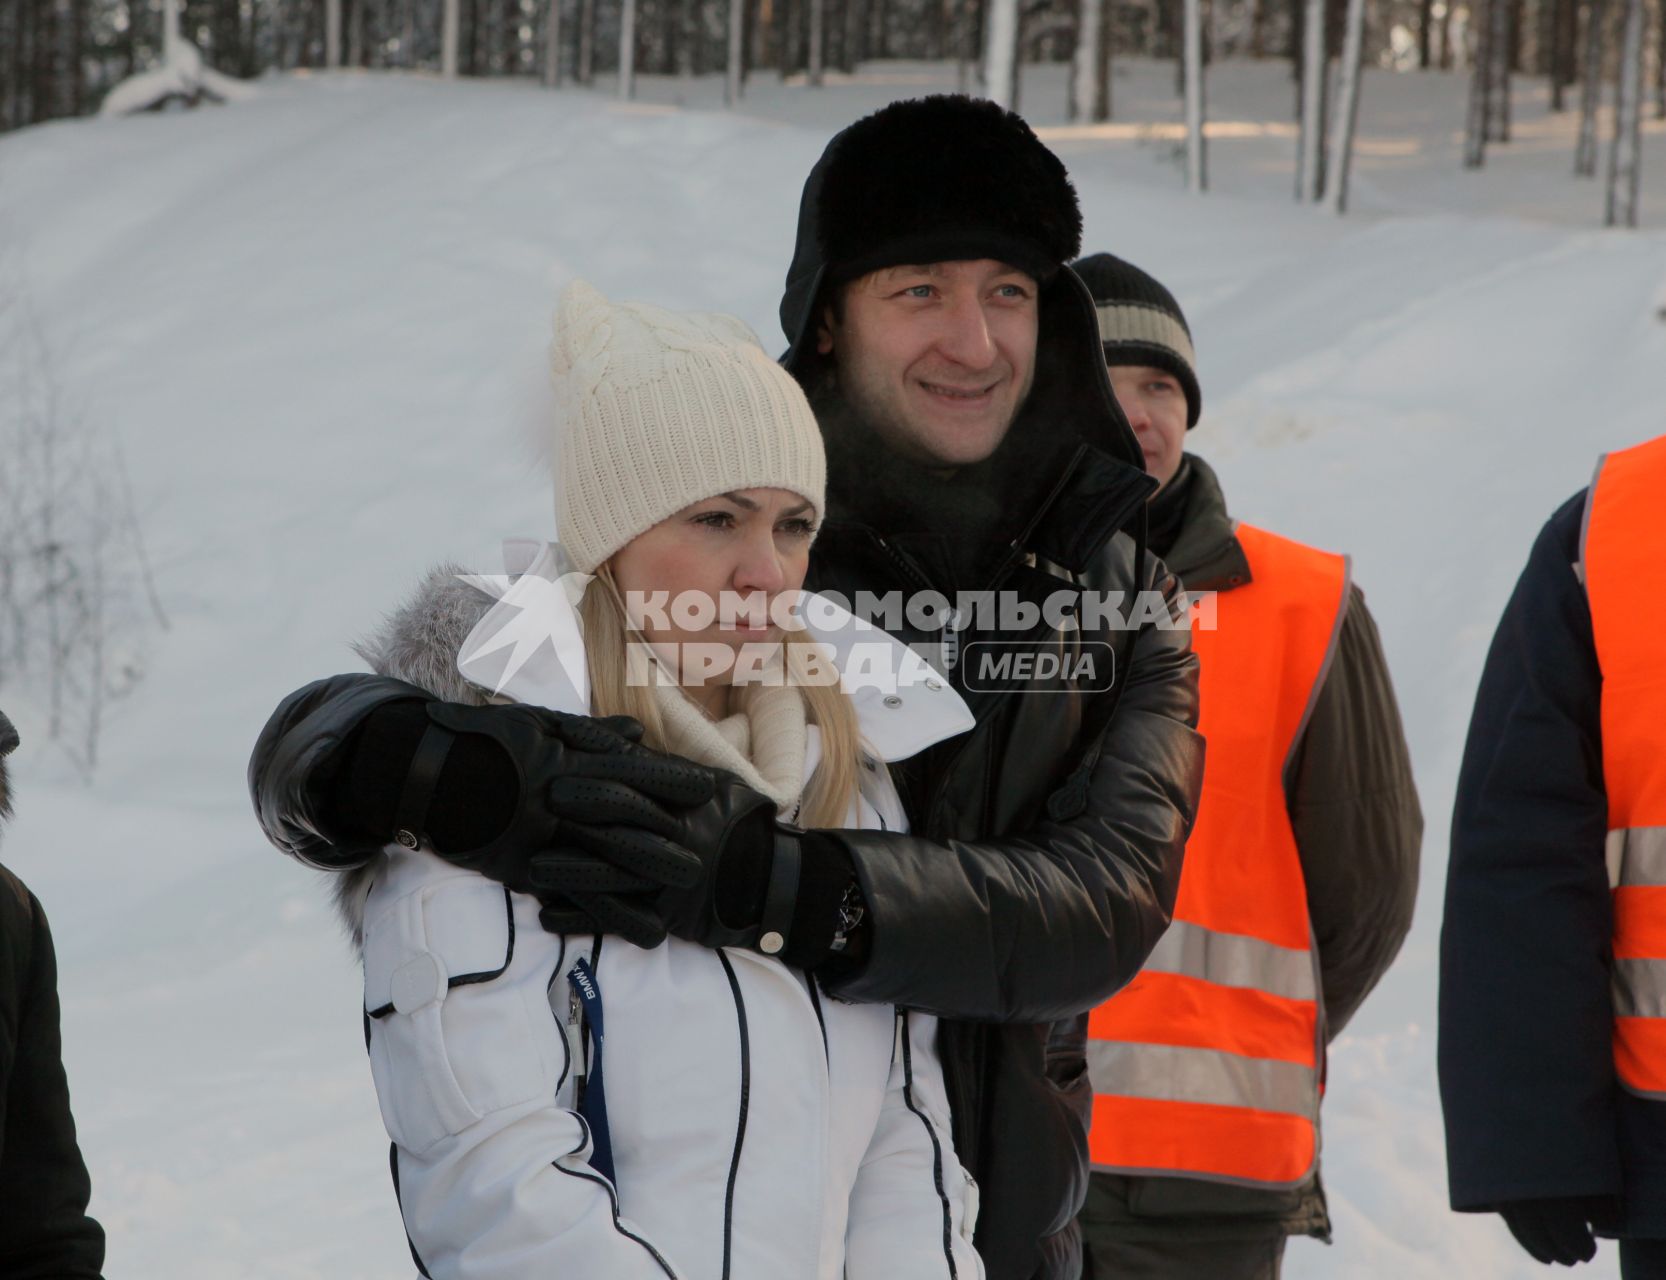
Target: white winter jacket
x,y
759,1130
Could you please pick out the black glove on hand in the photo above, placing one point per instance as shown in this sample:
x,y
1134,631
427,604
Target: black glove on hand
x,y
1557,1229
767,886
589,799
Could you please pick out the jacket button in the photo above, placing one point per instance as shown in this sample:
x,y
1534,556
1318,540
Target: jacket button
x,y
934,685
771,943
892,701
405,838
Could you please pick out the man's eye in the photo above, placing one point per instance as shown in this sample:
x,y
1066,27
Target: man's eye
x,y
917,291
1158,388
1013,291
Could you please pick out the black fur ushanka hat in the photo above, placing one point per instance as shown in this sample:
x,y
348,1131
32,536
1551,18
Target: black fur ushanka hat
x,y
935,179
938,179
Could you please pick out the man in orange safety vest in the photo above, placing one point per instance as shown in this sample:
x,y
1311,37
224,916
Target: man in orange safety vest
x,y
1207,1070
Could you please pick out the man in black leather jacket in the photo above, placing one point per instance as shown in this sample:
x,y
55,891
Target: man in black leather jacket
x,y
1046,842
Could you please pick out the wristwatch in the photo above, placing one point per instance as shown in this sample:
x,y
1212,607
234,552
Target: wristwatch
x,y
853,910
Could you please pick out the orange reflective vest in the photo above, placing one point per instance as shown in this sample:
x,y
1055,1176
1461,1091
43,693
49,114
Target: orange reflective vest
x,y
1624,546
1209,1063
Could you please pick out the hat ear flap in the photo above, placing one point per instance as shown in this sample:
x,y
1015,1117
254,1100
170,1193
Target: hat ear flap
x,y
583,330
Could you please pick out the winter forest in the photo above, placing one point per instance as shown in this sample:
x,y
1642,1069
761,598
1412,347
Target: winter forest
x,y
276,291
63,57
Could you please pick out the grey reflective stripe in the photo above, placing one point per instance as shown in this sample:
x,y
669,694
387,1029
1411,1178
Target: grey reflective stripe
x,y
1637,857
1234,960
1585,522
1640,988
1170,1073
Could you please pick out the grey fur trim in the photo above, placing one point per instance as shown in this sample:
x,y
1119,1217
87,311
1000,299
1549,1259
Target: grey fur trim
x,y
417,643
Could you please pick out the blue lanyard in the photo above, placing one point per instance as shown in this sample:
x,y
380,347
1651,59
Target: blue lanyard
x,y
592,1103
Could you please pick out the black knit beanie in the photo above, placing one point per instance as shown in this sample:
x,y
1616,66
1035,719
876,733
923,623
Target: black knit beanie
x,y
1141,323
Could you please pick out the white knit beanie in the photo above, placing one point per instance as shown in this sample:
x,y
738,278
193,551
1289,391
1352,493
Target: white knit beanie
x,y
656,410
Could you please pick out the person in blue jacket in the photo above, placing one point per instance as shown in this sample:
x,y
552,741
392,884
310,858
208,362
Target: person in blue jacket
x,y
1538,1129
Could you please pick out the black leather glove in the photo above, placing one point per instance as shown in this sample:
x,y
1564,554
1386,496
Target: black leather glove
x,y
589,801
767,886
1557,1229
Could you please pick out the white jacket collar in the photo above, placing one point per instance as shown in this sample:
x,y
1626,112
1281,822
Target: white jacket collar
x,y
529,647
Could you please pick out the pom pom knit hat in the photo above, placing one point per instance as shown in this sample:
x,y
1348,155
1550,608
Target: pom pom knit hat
x,y
656,410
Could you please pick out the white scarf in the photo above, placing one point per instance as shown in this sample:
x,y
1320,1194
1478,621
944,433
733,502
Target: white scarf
x,y
764,743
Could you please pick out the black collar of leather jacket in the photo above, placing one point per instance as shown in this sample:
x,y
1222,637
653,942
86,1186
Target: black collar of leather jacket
x,y
1204,553
1058,500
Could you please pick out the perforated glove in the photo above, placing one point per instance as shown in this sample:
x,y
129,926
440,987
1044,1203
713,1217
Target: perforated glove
x,y
596,810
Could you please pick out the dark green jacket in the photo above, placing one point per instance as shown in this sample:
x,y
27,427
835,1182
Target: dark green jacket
x,y
1358,830
45,1233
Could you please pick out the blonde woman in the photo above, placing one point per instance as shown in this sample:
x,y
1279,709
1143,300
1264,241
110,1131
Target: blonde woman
x,y
570,1105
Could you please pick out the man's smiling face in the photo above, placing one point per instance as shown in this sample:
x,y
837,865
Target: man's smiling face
x,y
937,359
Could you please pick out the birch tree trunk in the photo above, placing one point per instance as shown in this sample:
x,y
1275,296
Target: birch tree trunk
x,y
1347,109
1197,173
1499,45
332,34
1308,178
1660,69
170,32
355,33
1000,52
1102,65
585,73
552,45
1480,90
818,35
451,22
1084,65
627,51
1590,92
737,47
1625,152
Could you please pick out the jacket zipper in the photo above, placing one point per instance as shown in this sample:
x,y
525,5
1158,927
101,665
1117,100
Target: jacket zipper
x,y
745,1105
931,1132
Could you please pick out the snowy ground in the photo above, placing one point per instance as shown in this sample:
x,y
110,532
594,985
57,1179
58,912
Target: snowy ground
x,y
313,320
